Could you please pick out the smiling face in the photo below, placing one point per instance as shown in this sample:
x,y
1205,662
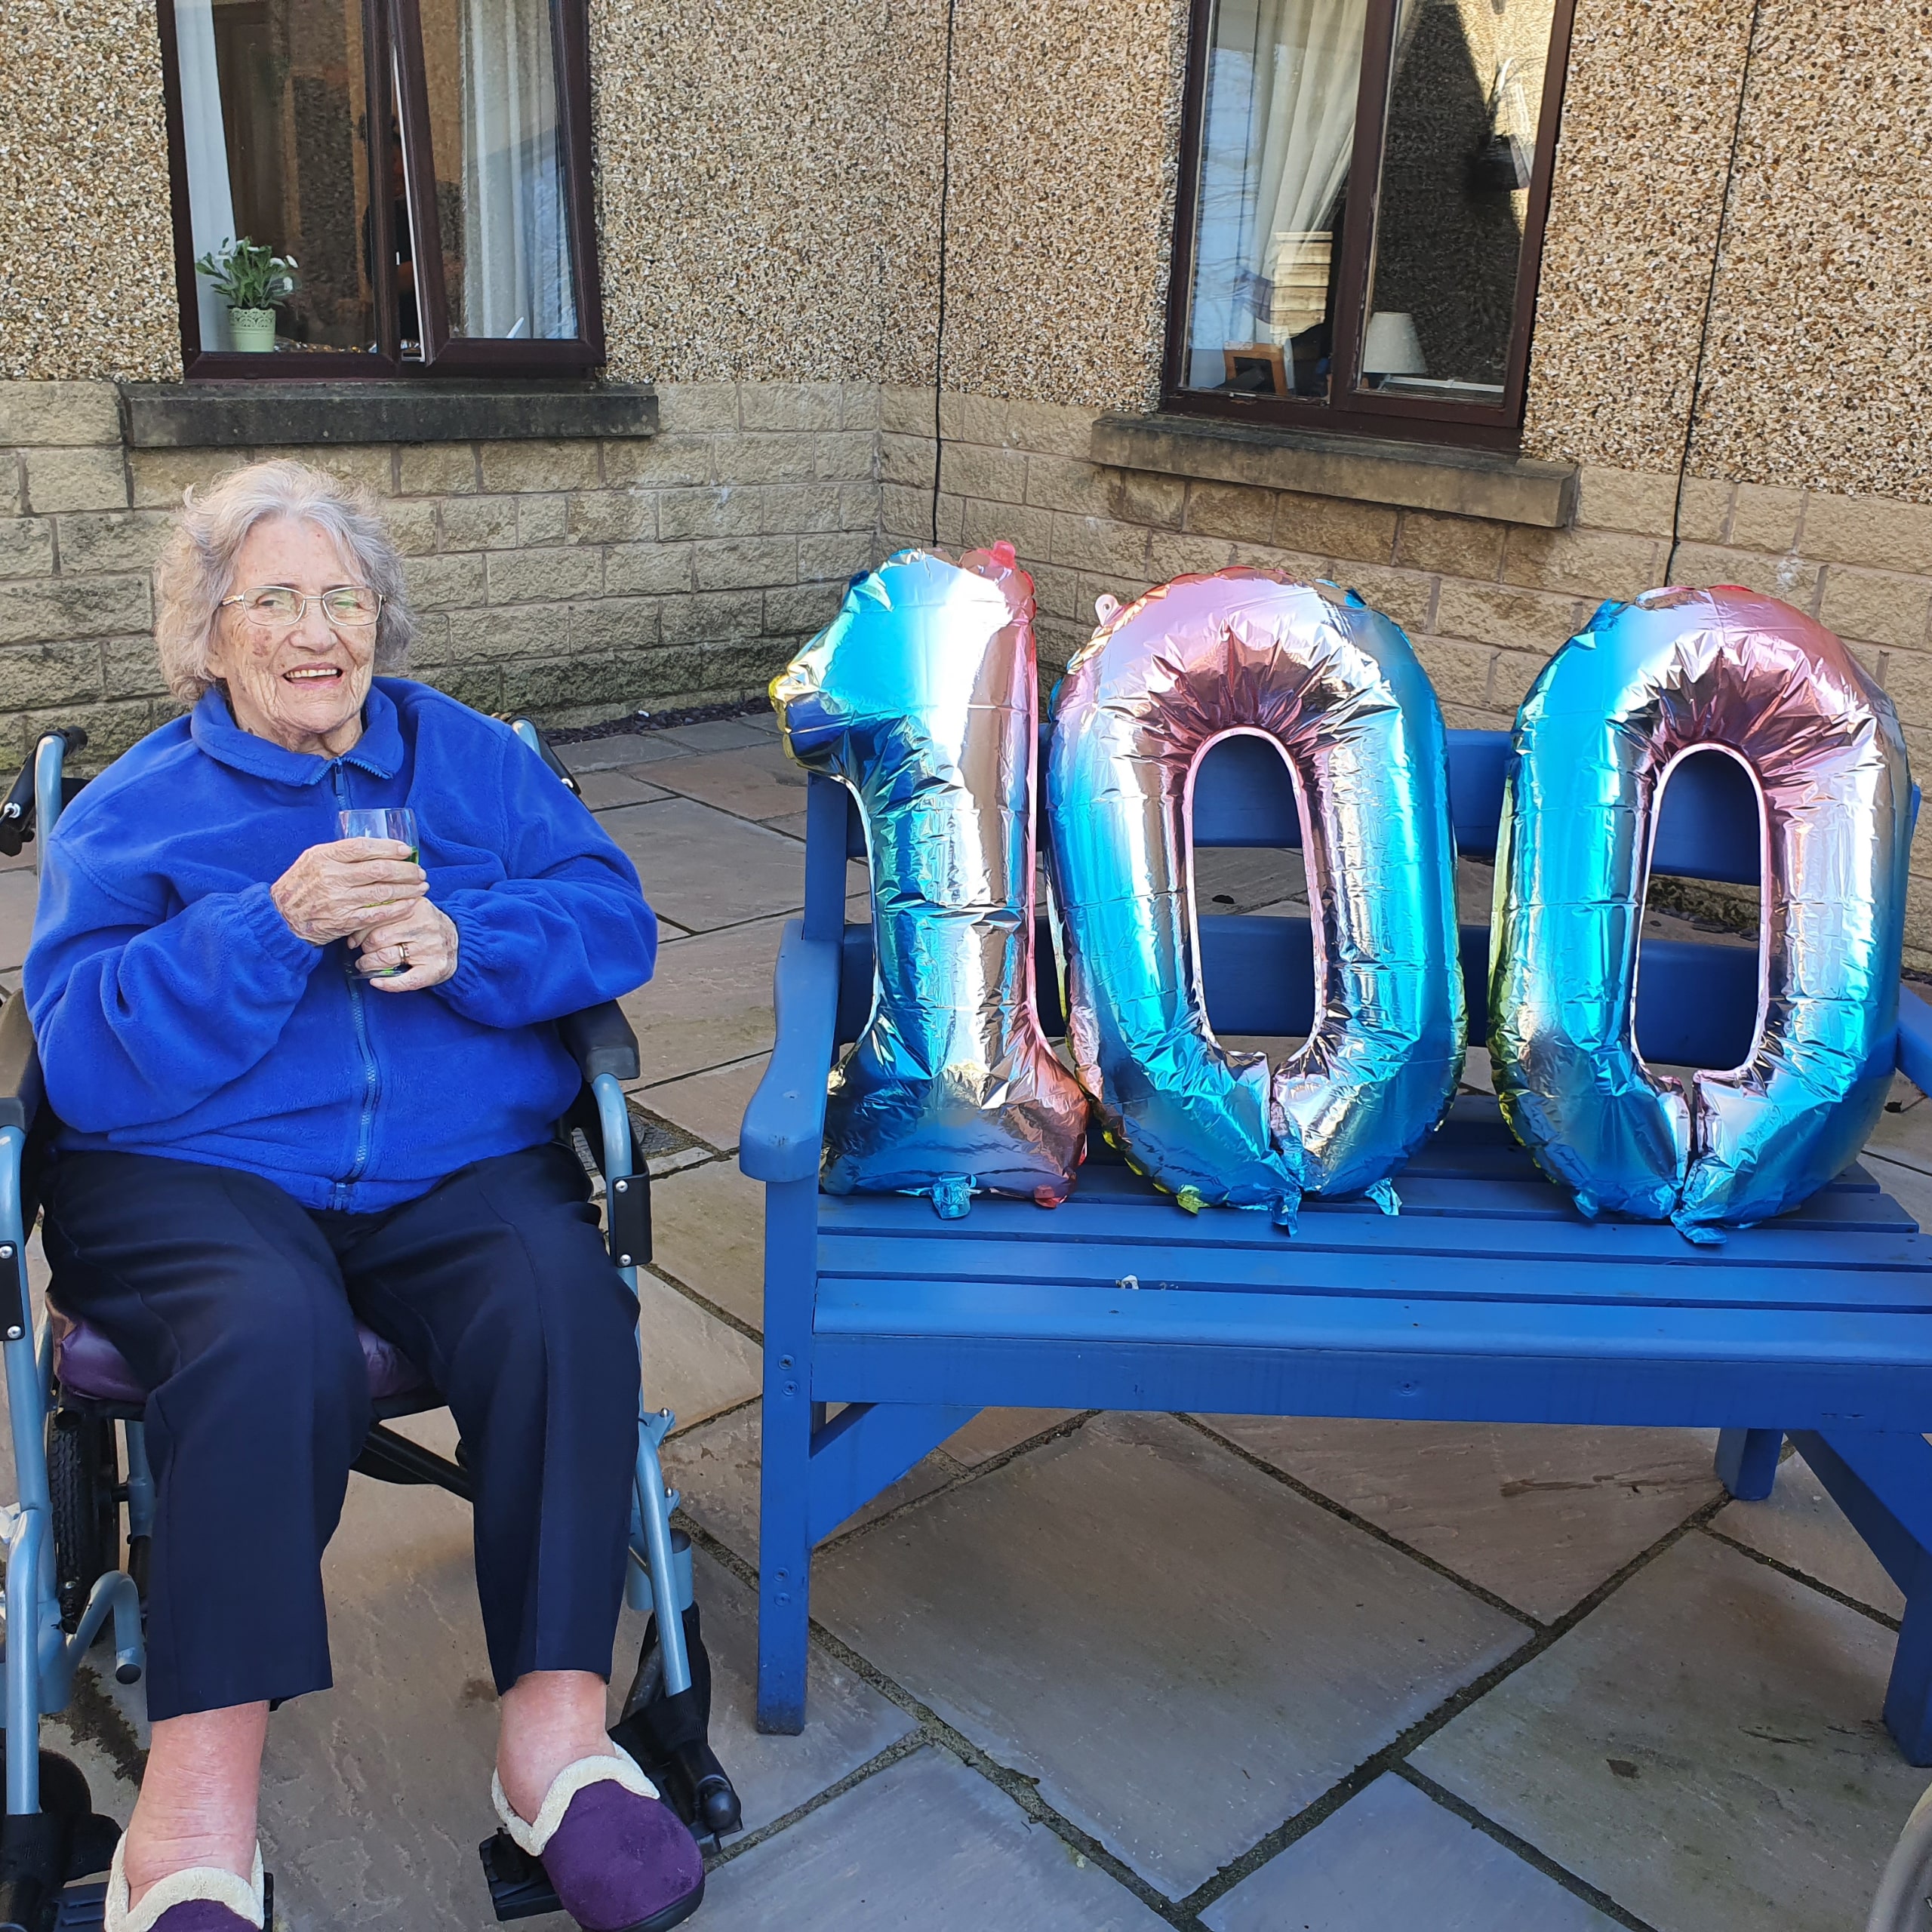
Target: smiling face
x,y
301,688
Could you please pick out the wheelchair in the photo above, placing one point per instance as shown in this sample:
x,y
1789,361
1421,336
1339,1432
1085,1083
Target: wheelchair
x,y
80,1454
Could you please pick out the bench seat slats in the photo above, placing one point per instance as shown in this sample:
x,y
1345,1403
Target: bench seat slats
x,y
1498,1275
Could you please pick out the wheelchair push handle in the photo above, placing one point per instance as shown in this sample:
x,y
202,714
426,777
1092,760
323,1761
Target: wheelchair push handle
x,y
17,810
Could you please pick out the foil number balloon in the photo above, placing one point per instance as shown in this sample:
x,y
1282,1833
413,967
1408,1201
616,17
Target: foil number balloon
x,y
1644,684
1337,688
921,697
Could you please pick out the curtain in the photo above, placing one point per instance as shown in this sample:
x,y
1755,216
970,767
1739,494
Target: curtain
x,y
1280,122
516,262
204,133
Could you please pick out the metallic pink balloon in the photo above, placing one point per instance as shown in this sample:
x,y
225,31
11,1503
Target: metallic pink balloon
x,y
1646,684
1335,686
921,696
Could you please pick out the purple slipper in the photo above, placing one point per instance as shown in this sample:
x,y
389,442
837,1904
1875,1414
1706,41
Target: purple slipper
x,y
621,1861
204,1898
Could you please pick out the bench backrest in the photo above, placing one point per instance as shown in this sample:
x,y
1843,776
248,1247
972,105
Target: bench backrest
x,y
1697,1005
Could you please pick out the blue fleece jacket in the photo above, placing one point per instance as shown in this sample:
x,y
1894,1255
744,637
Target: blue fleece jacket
x,y
178,1013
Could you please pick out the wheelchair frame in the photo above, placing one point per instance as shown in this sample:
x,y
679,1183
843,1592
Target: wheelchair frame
x,y
37,1849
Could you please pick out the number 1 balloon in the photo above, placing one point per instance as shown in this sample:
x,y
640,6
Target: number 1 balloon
x,y
921,697
1644,685
1335,686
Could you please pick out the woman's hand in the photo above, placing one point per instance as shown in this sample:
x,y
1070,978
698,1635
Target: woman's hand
x,y
347,886
423,939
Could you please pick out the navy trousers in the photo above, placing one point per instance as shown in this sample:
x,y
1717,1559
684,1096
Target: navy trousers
x,y
234,1307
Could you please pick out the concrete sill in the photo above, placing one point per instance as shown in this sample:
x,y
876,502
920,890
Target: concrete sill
x,y
246,415
1419,476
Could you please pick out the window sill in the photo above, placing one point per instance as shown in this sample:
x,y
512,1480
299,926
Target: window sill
x,y
1420,476
254,415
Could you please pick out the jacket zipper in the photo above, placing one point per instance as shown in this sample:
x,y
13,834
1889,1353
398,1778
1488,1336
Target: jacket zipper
x,y
372,1085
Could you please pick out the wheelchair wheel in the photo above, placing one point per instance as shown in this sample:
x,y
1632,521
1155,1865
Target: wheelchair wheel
x,y
82,1473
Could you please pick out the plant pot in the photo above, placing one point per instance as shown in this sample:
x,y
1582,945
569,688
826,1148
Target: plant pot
x,y
251,329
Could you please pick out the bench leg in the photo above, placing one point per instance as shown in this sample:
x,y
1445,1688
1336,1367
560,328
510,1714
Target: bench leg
x,y
1882,1480
1748,1461
1908,1695
784,1542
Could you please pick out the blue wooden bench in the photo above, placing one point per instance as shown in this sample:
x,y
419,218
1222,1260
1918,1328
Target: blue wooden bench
x,y
1489,1299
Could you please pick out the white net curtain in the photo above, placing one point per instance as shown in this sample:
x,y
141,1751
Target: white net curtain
x,y
1280,122
516,268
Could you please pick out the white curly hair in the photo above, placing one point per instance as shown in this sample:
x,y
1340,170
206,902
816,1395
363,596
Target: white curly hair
x,y
197,567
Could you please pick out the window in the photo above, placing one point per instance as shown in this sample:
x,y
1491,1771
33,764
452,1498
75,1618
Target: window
x,y
476,253
1362,212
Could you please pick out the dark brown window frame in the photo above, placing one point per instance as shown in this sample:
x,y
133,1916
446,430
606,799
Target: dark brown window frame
x,y
393,44
1355,410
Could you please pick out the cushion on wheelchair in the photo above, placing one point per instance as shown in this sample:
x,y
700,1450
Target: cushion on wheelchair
x,y
87,1364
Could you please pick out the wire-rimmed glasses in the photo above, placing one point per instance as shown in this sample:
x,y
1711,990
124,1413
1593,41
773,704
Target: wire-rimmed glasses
x,y
279,607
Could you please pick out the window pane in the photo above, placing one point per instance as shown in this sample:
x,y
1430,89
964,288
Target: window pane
x,y
1279,126
1464,96
272,114
500,197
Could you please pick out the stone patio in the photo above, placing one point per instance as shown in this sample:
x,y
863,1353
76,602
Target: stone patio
x,y
1083,1672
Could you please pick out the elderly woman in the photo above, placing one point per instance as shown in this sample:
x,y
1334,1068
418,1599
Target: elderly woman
x,y
302,1078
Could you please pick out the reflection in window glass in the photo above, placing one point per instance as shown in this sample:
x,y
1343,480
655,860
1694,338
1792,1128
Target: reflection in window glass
x,y
273,120
491,70
1279,122
1464,96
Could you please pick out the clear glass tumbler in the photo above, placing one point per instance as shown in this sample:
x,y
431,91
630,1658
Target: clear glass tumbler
x,y
397,822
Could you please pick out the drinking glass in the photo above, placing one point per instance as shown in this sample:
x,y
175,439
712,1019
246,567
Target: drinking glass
x,y
397,822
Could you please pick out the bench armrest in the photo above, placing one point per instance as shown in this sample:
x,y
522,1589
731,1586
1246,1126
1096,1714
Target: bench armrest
x,y
1914,1047
600,1040
785,1124
20,1088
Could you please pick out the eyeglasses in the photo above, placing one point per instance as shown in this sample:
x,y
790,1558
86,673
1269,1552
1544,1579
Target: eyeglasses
x,y
275,607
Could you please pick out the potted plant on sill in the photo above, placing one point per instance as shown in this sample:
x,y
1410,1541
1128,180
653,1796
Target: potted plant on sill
x,y
250,280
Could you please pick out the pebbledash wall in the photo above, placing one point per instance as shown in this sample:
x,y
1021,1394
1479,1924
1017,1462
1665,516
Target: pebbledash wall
x,y
1732,360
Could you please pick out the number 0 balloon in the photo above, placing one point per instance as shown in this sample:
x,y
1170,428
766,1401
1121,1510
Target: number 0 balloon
x,y
921,697
1336,688
1645,684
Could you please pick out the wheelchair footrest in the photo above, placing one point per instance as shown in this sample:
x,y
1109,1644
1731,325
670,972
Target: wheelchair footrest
x,y
82,1908
519,1886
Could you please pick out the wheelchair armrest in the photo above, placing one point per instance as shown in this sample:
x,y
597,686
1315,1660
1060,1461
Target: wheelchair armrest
x,y
1914,1047
785,1124
600,1040
20,1087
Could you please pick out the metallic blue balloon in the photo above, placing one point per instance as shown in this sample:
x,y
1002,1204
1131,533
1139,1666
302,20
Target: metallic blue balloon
x,y
922,697
1645,684
1336,686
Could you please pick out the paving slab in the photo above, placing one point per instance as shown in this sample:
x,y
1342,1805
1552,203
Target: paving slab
x,y
693,1364
721,734
758,781
708,1002
717,1468
851,1723
1905,1128
707,1227
1799,1525
1540,1516
1243,879
375,1794
19,891
620,750
1271,1646
926,1844
710,1104
993,1431
603,790
1705,1747
1392,1860
703,868
1910,1187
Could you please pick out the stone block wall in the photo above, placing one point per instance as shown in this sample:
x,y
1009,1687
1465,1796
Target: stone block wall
x,y
1485,603
572,580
